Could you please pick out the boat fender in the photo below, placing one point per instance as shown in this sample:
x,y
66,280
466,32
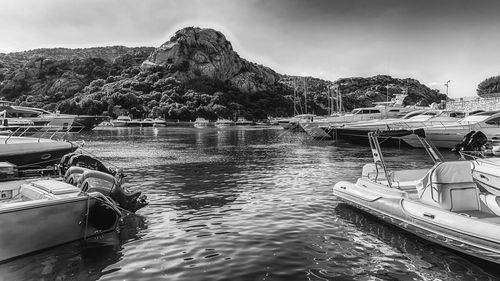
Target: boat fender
x,y
102,217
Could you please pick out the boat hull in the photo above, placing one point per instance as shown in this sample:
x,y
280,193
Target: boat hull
x,y
360,137
485,172
87,122
313,130
44,224
35,154
115,123
426,222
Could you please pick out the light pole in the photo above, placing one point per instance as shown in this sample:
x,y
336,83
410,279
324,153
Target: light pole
x,y
447,84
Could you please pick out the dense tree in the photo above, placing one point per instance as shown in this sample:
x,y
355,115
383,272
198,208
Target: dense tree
x,y
489,87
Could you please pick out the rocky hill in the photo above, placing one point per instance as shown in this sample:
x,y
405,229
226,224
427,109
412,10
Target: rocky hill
x,y
45,77
196,73
196,52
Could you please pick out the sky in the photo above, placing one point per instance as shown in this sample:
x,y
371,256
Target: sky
x,y
432,41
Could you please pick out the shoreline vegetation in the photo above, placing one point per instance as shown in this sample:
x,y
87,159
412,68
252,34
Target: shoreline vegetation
x,y
195,74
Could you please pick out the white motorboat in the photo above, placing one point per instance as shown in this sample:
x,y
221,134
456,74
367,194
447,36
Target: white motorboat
x,y
148,122
448,135
134,123
121,121
381,110
357,132
223,123
30,152
201,122
43,213
442,204
87,201
242,121
159,122
21,116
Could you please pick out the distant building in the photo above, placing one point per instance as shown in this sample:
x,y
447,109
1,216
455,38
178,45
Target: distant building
x,y
475,103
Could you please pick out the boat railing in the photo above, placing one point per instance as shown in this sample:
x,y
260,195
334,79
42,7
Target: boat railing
x,y
475,155
41,132
433,124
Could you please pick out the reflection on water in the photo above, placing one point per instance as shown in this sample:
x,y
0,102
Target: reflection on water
x,y
242,204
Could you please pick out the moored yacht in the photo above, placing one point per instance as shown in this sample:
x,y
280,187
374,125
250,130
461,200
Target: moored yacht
x,y
242,121
159,122
121,121
201,122
40,117
30,152
357,132
148,122
381,110
447,135
223,123
134,123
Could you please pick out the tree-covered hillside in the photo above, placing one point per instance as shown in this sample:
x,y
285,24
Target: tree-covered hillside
x,y
195,74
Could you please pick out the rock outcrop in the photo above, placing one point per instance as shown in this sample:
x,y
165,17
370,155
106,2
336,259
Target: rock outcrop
x,y
195,74
51,75
195,52
359,91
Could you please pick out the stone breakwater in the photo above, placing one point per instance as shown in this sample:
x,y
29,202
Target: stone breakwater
x,y
474,104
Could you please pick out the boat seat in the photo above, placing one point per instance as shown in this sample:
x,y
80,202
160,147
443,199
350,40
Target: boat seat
x,y
450,186
402,179
407,179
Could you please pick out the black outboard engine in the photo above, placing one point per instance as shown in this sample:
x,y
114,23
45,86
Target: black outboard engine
x,y
459,146
85,161
95,169
130,201
473,141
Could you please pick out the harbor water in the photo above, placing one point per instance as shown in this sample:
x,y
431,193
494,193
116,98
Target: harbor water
x,y
243,204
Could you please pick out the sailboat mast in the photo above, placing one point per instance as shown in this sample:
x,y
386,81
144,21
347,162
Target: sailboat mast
x,y
305,96
294,96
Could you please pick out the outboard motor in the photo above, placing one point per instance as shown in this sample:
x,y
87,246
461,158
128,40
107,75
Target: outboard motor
x,y
459,147
86,171
87,161
83,160
473,141
91,181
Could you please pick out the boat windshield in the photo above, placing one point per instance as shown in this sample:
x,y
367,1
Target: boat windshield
x,y
456,114
424,115
365,111
412,114
474,118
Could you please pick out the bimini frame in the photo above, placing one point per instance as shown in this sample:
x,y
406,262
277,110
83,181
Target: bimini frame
x,y
378,157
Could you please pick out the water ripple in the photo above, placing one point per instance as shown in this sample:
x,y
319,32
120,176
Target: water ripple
x,y
243,204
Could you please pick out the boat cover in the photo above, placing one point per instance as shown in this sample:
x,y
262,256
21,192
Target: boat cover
x,y
55,187
450,186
